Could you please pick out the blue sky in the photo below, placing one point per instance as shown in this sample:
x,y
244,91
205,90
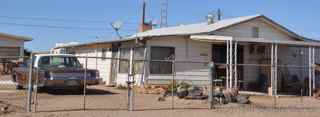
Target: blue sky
x,y
301,16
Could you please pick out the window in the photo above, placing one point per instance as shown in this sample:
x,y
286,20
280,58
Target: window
x,y
161,53
124,60
58,61
138,60
255,32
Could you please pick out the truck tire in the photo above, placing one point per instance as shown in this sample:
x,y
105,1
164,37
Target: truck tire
x,y
14,77
19,87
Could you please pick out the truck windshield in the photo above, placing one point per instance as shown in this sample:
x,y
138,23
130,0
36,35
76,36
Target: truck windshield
x,y
59,62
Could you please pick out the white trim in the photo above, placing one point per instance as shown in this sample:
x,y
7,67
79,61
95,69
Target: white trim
x,y
215,38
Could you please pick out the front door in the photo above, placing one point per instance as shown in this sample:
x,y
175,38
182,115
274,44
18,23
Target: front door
x,y
219,57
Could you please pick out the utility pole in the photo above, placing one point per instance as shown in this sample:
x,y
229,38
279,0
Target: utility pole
x,y
164,13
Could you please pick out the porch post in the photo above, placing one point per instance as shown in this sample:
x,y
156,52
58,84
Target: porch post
x,y
236,65
310,71
272,70
227,66
276,69
143,79
313,70
231,65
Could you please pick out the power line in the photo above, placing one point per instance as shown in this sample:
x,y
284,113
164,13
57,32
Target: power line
x,y
60,20
62,27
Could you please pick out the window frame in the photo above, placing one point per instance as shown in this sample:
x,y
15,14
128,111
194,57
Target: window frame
x,y
151,60
120,60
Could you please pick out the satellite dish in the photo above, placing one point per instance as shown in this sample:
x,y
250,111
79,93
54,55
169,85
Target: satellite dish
x,y
116,25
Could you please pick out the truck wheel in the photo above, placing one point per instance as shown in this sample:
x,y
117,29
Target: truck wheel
x,y
14,77
19,87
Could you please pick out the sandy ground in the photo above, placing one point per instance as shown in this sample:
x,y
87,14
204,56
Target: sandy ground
x,y
101,101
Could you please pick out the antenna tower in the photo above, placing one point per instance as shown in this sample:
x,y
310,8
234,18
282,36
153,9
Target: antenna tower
x,y
164,13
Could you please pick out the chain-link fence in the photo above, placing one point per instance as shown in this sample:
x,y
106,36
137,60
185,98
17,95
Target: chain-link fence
x,y
135,83
11,96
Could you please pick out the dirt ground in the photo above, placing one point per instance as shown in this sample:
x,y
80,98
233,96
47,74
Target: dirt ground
x,y
101,101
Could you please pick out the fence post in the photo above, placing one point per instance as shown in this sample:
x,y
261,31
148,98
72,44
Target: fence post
x,y
131,81
211,74
29,98
35,100
85,83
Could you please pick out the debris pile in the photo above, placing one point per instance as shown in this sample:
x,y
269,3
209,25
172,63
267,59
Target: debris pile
x,y
153,89
316,93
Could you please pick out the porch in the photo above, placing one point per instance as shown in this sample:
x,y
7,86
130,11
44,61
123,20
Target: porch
x,y
275,67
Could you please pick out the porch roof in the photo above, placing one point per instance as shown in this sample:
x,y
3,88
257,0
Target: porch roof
x,y
215,38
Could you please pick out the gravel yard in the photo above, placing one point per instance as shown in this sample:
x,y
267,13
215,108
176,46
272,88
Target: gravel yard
x,y
111,102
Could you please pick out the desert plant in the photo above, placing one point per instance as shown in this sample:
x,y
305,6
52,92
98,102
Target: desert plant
x,y
172,86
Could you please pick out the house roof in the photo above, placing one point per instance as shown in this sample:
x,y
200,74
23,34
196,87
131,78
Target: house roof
x,y
95,42
201,28
194,28
23,38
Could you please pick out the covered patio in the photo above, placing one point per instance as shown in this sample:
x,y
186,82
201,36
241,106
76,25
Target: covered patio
x,y
276,66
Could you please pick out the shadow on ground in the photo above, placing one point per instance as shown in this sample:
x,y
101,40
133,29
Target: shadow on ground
x,y
77,92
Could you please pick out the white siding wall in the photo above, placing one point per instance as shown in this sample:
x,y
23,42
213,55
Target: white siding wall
x,y
12,43
104,66
185,50
245,30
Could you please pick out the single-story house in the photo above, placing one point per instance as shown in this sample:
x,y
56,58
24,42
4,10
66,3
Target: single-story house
x,y
252,53
11,49
12,45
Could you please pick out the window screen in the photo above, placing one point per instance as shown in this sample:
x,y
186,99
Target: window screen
x,y
158,54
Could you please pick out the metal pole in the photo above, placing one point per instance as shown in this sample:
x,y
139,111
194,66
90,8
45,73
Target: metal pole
x,y
227,66
30,84
275,74
313,70
236,65
276,68
272,69
231,65
211,74
131,80
173,84
310,72
36,91
85,83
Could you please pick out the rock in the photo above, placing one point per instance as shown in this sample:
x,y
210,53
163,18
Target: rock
x,y
161,99
195,91
182,94
4,109
241,99
227,96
